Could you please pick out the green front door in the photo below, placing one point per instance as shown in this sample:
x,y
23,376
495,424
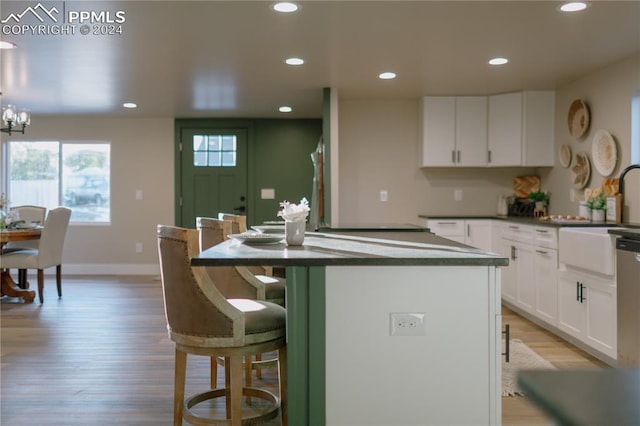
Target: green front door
x,y
214,173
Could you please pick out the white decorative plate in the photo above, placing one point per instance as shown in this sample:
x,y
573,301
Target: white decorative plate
x,y
578,118
604,152
257,238
565,155
269,229
581,170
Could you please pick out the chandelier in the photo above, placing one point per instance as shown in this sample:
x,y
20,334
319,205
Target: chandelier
x,y
11,118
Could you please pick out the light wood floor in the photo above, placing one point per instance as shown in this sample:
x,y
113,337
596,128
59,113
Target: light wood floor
x,y
101,356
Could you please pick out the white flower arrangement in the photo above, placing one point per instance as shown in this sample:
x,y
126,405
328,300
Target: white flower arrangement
x,y
291,212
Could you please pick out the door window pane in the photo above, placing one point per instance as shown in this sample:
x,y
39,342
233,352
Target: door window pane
x,y
214,150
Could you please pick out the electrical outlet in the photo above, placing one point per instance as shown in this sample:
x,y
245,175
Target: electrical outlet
x,y
457,195
407,324
138,247
384,195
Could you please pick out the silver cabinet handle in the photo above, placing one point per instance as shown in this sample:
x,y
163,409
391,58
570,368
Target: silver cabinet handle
x,y
542,231
541,251
453,156
459,156
489,156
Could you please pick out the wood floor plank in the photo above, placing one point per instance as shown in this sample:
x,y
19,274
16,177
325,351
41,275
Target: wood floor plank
x,y
101,356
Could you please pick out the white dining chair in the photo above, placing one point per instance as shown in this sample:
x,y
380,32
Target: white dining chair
x,y
30,214
48,253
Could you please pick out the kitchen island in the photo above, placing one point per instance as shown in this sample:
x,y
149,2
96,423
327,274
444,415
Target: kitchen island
x,y
345,367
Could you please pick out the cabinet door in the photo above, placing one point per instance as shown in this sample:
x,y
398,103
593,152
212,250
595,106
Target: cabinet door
x,y
479,233
439,130
525,277
571,311
509,273
546,267
505,129
538,128
471,130
601,326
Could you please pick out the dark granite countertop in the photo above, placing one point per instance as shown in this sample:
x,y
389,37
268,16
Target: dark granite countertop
x,y
533,221
633,234
585,397
356,248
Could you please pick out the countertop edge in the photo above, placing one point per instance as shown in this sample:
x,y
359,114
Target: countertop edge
x,y
531,221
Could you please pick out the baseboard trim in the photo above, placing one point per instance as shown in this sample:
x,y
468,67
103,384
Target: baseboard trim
x,y
105,269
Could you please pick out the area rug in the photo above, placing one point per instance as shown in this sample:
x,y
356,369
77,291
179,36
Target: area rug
x,y
521,357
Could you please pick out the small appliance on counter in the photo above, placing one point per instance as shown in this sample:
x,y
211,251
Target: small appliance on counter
x,y
522,207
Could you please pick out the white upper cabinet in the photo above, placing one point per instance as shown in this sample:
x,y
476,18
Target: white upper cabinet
x,y
454,131
538,133
505,129
521,129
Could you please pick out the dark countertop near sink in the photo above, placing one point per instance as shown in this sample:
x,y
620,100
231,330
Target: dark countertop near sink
x,y
533,221
633,234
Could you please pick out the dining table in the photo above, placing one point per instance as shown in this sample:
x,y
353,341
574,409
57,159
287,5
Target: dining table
x,y
8,286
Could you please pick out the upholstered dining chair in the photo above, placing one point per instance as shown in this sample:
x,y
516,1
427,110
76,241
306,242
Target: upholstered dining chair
x,y
48,253
28,213
202,321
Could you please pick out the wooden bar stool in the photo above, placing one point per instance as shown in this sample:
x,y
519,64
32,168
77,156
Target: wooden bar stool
x,y
202,321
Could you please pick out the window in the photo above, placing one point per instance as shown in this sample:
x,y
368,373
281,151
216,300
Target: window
x,y
214,150
51,173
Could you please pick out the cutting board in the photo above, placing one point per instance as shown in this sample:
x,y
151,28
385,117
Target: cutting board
x,y
524,185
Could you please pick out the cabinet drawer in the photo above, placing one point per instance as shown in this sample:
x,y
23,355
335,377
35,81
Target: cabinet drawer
x,y
447,228
521,233
546,237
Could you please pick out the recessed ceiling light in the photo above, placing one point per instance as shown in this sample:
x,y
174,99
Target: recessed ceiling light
x,y
498,61
7,45
285,7
387,75
574,6
129,105
285,109
294,61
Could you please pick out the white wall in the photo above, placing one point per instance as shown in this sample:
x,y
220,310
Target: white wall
x,y
141,159
608,92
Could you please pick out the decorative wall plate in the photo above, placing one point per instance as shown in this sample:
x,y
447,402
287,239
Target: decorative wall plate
x,y
578,118
604,152
581,170
565,155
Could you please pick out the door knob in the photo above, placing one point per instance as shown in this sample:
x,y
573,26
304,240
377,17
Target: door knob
x,y
240,209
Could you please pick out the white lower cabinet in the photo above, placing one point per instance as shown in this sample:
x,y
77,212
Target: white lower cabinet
x,y
530,280
546,278
587,310
474,232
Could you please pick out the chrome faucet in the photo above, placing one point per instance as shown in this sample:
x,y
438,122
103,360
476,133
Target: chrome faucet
x,y
621,180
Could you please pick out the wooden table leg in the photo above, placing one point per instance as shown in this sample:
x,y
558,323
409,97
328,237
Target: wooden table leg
x,y
8,288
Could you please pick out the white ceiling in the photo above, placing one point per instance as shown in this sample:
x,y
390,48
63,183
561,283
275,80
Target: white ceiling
x,y
225,59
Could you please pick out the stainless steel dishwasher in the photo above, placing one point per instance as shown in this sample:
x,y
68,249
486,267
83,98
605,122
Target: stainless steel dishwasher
x,y
628,277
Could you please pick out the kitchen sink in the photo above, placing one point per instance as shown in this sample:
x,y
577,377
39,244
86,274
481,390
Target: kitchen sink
x,y
589,248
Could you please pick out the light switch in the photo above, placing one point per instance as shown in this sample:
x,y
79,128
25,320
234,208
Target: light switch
x,y
267,193
138,194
